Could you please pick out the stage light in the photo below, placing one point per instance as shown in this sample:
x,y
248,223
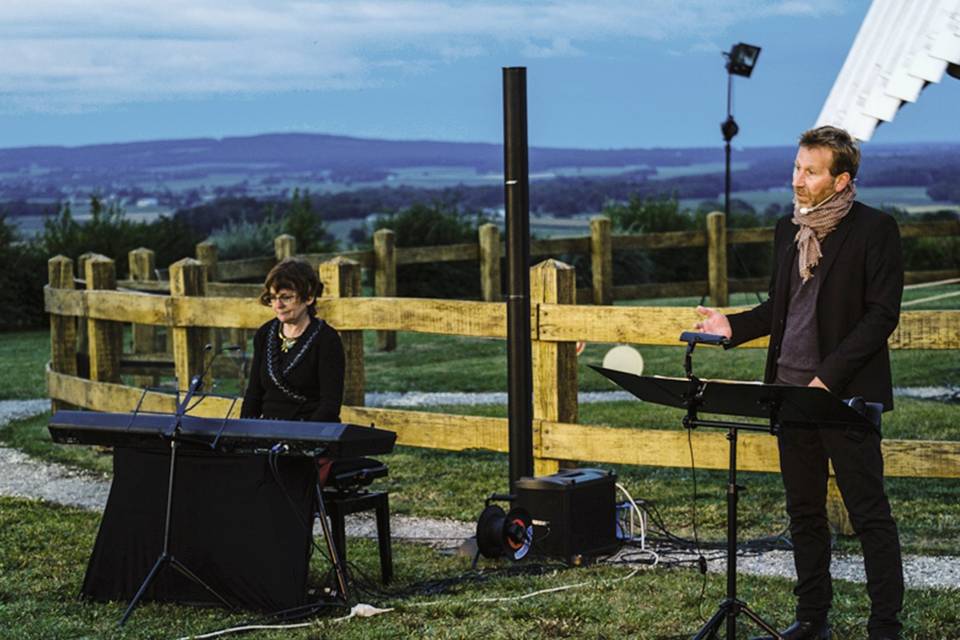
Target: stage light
x,y
742,58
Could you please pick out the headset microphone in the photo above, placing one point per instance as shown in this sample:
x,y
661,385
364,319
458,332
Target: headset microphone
x,y
805,210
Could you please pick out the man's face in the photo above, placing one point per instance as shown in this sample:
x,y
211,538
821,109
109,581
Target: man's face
x,y
812,182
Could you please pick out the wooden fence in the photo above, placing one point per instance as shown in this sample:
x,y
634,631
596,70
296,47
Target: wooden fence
x,y
98,311
600,245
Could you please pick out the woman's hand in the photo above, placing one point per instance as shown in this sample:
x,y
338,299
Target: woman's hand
x,y
713,322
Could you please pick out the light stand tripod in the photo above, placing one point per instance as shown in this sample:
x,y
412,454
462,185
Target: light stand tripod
x,y
166,558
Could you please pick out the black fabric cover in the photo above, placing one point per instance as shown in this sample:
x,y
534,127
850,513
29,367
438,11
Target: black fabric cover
x,y
231,526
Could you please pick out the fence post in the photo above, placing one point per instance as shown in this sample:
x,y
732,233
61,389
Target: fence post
x,y
104,336
601,260
717,258
284,246
208,254
554,363
385,279
188,277
142,269
82,348
341,279
63,329
489,237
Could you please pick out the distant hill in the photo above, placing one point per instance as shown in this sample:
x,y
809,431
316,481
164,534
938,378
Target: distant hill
x,y
178,173
314,152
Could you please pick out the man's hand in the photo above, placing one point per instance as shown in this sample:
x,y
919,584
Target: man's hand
x,y
713,322
817,382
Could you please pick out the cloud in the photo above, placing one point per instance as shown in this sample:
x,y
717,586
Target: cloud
x,y
65,55
556,48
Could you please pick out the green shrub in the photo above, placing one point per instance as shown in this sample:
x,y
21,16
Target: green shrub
x,y
23,273
651,215
109,232
430,225
245,239
307,226
662,214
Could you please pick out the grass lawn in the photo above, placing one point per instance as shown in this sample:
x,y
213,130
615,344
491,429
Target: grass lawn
x,y
43,548
24,355
43,551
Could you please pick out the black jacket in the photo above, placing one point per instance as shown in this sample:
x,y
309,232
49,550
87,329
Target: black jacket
x,y
305,383
858,305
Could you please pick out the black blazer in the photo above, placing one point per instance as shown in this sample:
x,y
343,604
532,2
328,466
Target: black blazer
x,y
858,305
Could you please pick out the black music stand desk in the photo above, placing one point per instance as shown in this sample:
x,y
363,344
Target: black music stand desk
x,y
781,407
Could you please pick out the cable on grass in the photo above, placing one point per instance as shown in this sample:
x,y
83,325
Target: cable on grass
x,y
529,595
358,611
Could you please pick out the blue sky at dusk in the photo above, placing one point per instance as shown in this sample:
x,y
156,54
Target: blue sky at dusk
x,y
601,74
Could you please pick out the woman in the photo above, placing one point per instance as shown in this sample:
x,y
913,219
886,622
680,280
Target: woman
x,y
298,364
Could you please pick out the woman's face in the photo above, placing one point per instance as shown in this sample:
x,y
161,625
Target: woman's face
x,y
288,306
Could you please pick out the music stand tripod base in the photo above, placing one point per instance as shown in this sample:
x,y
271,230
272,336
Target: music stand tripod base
x,y
166,558
795,407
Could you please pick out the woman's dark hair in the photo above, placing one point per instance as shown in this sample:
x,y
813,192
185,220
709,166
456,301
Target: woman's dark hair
x,y
294,274
846,152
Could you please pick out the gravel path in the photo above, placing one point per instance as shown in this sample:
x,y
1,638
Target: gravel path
x,y
24,477
412,399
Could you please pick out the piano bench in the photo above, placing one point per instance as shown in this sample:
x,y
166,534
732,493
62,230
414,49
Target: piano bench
x,y
352,474
342,503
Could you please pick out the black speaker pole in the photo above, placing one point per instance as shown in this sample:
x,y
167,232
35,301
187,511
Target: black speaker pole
x,y
517,204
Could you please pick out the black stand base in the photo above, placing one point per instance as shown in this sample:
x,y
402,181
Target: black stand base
x,y
166,559
727,612
339,568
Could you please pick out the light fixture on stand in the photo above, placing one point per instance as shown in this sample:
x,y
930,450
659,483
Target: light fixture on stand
x,y
741,60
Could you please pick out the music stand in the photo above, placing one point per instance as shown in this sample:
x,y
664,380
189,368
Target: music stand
x,y
781,406
166,558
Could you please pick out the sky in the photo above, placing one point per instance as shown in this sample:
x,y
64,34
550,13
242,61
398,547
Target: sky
x,y
600,73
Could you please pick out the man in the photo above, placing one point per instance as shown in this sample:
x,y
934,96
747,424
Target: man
x,y
834,301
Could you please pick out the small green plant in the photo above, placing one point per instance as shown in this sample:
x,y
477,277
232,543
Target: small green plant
x,y
306,225
246,239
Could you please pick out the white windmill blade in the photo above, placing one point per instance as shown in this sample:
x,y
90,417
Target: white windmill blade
x,y
919,68
906,25
901,47
946,46
851,88
940,44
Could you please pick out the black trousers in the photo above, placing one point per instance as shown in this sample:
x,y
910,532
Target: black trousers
x,y
858,464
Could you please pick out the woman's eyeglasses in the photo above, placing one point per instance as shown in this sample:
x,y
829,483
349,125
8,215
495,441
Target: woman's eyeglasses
x,y
284,299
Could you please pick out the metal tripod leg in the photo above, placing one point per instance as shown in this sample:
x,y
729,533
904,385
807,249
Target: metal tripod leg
x,y
732,607
338,567
165,557
726,615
